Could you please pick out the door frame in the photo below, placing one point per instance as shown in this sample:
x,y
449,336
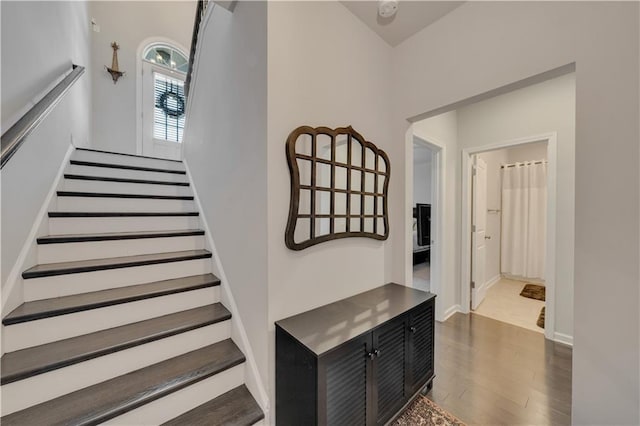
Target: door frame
x,y
437,214
551,241
139,80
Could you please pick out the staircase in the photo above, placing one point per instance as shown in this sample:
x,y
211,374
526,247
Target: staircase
x,y
122,322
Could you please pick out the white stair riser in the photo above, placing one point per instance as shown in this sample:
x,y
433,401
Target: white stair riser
x,y
97,204
43,387
123,187
76,169
65,285
96,225
101,157
69,252
177,403
47,330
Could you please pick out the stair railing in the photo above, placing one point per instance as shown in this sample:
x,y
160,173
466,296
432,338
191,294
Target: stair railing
x,y
15,136
200,11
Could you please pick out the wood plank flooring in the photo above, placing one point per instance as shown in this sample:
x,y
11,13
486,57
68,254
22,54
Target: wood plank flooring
x,y
493,373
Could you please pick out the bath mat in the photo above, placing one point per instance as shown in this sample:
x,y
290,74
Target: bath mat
x,y
533,291
540,322
425,412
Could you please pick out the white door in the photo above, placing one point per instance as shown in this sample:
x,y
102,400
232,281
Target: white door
x,y
478,231
163,111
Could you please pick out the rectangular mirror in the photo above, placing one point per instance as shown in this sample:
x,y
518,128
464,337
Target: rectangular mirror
x,y
323,175
341,177
323,226
340,207
355,204
323,202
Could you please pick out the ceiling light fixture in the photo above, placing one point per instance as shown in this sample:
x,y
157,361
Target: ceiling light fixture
x,y
387,8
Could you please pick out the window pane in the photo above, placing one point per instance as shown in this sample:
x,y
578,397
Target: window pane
x,y
168,113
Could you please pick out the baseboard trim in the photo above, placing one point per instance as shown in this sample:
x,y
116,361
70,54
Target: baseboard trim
x,y
253,380
452,310
493,281
563,338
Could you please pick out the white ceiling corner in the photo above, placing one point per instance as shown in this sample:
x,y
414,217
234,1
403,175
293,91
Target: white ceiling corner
x,y
412,16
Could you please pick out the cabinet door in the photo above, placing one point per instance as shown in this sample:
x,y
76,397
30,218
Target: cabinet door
x,y
389,368
420,345
344,376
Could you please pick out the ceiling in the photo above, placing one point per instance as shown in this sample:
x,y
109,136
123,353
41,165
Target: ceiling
x,y
412,16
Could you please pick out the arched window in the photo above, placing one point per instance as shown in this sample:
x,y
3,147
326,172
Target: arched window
x,y
166,56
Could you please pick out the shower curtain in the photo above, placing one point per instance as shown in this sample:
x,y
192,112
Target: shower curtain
x,y
524,220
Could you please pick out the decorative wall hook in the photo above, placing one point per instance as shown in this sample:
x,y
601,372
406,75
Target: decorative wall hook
x,y
114,70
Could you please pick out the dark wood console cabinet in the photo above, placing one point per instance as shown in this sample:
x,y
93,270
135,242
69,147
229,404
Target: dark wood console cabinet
x,y
357,361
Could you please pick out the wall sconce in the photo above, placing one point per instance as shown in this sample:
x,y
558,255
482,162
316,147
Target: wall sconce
x,y
114,70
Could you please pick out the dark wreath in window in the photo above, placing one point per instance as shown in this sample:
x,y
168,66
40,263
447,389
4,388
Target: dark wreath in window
x,y
339,187
171,103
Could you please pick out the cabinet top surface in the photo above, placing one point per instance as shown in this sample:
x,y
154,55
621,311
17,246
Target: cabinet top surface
x,y
328,326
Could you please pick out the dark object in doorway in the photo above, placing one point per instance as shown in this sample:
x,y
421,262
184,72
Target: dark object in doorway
x,y
540,322
533,291
423,411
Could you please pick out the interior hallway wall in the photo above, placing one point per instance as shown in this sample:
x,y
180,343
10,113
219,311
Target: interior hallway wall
x,y
326,68
422,172
40,41
483,46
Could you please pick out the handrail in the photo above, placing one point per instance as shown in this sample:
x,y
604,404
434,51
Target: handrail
x,y
13,138
200,10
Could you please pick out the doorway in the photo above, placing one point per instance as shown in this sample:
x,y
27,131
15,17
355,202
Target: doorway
x,y
509,213
425,211
162,101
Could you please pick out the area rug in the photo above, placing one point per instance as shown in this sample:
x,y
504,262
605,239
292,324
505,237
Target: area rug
x,y
533,291
540,322
425,412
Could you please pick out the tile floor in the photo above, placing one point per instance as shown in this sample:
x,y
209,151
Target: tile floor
x,y
422,276
504,303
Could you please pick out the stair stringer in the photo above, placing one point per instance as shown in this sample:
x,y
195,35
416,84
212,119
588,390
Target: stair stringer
x,y
238,334
13,288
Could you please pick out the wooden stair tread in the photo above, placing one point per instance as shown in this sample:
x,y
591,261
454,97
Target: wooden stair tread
x,y
234,408
126,167
116,195
61,268
124,180
127,155
110,236
121,214
24,363
47,308
119,395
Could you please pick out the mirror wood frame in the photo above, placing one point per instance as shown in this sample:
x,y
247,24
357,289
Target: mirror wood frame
x,y
376,218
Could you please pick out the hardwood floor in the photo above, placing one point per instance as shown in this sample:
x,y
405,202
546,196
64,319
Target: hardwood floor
x,y
490,372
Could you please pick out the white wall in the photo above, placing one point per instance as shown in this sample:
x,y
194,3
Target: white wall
x,y
422,170
482,46
30,63
130,24
326,68
226,151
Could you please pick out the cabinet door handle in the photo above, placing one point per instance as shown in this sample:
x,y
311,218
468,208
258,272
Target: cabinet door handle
x,y
376,352
371,355
412,329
